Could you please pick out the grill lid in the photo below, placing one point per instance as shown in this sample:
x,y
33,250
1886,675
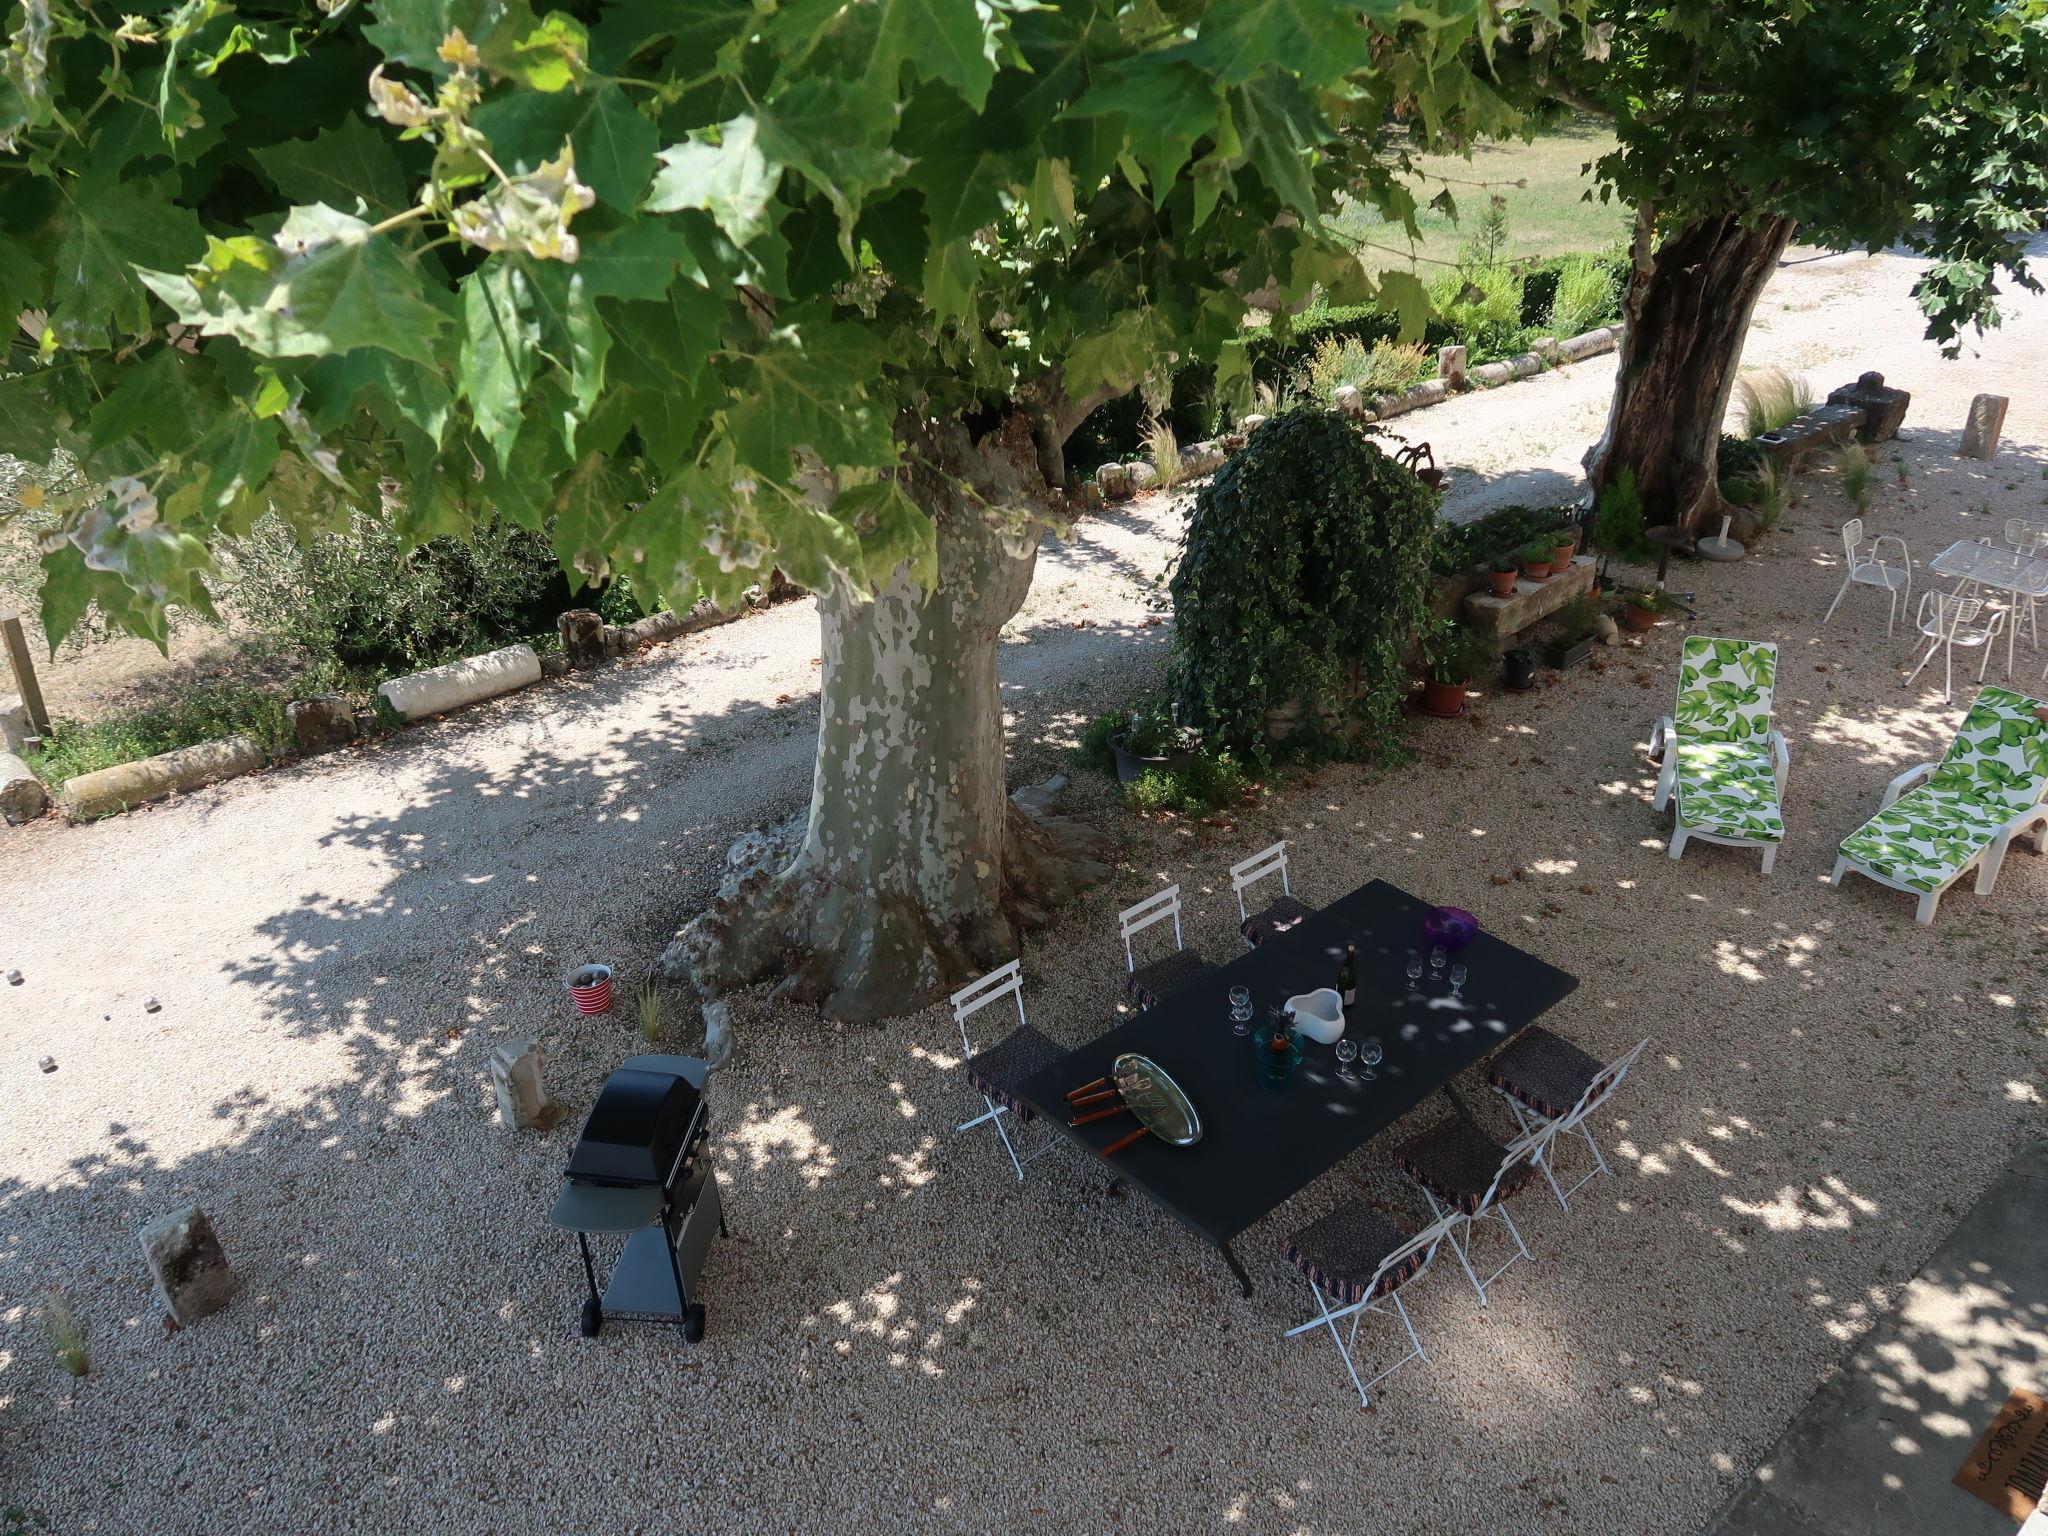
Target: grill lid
x,y
635,1130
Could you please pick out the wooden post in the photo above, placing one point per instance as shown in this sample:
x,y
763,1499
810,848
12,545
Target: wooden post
x,y
24,673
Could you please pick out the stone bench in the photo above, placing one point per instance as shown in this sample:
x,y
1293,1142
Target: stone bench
x,y
1531,601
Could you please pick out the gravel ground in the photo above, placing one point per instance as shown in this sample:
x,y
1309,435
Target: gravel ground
x,y
339,945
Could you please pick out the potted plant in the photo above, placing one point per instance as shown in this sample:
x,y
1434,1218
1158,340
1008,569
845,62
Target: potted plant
x,y
1503,572
1535,559
1453,654
1576,623
1644,609
1564,543
1519,668
1155,739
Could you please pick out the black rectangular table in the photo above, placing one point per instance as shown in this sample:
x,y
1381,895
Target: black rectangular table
x,y
1260,1146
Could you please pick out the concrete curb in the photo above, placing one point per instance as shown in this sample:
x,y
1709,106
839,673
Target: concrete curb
x,y
114,789
22,795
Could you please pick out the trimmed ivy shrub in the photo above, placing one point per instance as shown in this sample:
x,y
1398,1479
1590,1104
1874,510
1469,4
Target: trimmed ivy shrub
x,y
1304,574
1461,546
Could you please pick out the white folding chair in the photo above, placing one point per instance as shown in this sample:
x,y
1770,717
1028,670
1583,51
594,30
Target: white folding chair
x,y
997,1072
1351,1270
1958,618
1870,567
1278,915
1148,983
1441,1161
1551,1084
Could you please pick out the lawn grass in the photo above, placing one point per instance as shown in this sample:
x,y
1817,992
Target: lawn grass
x,y
1547,215
203,714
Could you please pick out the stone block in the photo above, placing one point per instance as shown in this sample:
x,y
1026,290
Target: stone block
x,y
1530,601
1525,365
1199,459
515,1078
191,1272
1251,424
14,731
1487,375
115,789
1452,363
322,722
1114,480
1588,343
1547,348
468,681
1884,408
582,633
22,796
1143,477
1982,431
1348,399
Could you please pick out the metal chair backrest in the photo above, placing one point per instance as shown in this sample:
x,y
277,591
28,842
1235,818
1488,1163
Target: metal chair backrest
x,y
1153,909
1425,1243
1248,872
1601,1089
1525,1148
1852,540
1953,612
2029,538
1004,981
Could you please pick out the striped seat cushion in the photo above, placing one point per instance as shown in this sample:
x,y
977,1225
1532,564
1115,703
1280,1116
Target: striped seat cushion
x,y
1150,983
1284,913
1544,1071
1457,1161
1342,1252
997,1071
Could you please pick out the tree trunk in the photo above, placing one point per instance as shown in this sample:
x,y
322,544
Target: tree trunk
x,y
1685,315
915,872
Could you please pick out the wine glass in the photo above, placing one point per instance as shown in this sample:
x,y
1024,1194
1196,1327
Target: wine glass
x,y
1414,970
1240,997
1436,962
1370,1053
1347,1052
1241,1019
1458,975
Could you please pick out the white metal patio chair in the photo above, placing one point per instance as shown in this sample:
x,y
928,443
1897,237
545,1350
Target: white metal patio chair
x,y
1466,1175
1355,1260
1148,983
1550,1083
1278,915
1952,619
1989,788
2029,539
1722,761
997,1072
1870,566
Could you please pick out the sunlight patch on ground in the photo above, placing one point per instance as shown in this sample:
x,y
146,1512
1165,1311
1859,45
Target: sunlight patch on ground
x,y
784,1136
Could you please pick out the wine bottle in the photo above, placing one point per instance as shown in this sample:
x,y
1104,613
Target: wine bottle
x,y
1347,976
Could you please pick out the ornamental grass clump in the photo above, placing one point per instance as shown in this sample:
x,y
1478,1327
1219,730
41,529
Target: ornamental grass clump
x,y
1772,398
1304,576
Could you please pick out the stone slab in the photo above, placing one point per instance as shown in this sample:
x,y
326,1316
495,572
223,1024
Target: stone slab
x,y
151,778
322,722
516,1081
1872,1452
1531,601
192,1274
468,681
14,731
1985,425
1884,407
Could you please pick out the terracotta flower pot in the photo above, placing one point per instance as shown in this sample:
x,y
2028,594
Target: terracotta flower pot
x,y
1561,555
1536,570
1444,700
1503,582
1637,619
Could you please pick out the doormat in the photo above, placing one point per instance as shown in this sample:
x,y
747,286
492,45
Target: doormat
x,y
2008,1466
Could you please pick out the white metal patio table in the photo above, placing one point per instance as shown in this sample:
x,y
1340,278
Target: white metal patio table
x,y
2003,569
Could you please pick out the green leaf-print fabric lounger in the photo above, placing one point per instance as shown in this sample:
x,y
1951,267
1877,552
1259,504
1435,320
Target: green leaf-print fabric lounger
x,y
1988,789
1722,760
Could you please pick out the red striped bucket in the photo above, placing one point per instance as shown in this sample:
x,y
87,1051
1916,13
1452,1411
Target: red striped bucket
x,y
592,988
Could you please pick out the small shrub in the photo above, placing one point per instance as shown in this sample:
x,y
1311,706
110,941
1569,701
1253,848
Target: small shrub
x,y
1585,297
1772,398
1852,464
1212,782
1093,750
1386,367
202,714
1498,535
620,603
67,1337
1163,449
1483,308
1618,520
1774,494
1577,620
650,1015
1455,653
1153,729
1739,456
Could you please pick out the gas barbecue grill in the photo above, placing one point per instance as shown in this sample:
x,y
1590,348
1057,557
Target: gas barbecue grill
x,y
641,1168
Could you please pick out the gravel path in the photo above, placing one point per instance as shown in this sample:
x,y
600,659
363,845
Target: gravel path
x,y
901,1337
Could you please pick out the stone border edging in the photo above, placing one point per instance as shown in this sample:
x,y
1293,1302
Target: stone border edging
x,y
456,683
109,790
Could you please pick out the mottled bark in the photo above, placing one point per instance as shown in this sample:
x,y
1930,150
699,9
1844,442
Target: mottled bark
x,y
1685,313
915,872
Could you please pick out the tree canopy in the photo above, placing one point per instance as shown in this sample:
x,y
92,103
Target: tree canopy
x,y
664,276
1866,122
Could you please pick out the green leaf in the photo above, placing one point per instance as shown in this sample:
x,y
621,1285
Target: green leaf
x,y
949,280
323,284
572,334
1117,359
838,140
337,167
500,350
810,390
699,28
637,262
951,40
1405,295
614,148
1280,125
589,515
1314,38
893,531
1166,107
111,228
370,377
722,171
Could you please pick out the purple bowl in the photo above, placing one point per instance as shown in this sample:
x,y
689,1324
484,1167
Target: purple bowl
x,y
1451,927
